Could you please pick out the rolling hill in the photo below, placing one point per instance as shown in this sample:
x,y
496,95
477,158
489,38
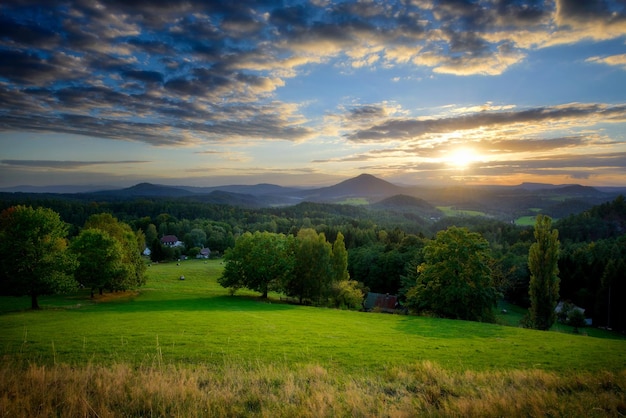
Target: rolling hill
x,y
145,190
502,202
363,186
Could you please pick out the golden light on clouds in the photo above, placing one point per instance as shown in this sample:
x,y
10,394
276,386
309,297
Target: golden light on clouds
x,y
411,91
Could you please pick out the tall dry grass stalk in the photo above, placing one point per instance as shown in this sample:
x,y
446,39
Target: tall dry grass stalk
x,y
270,390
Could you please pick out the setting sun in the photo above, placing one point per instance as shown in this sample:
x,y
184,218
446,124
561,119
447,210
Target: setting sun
x,y
461,158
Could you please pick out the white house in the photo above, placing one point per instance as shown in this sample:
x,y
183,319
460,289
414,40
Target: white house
x,y
204,253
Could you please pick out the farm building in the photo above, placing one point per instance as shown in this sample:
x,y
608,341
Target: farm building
x,y
381,301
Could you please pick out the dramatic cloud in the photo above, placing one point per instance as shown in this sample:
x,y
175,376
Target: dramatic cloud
x,y
414,128
201,74
166,73
62,165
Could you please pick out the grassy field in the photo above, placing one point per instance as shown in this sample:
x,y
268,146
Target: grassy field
x,y
354,201
526,220
450,211
196,321
196,331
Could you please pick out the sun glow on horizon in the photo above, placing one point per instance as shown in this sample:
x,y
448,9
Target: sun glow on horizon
x,y
461,158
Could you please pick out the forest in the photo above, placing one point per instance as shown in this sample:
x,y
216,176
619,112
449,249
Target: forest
x,y
384,245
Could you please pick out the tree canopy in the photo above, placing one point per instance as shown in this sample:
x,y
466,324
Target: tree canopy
x,y
312,274
454,281
304,266
132,244
33,256
259,261
100,260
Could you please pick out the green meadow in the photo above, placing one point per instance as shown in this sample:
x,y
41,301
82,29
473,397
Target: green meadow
x,y
196,321
355,201
525,220
194,324
528,220
450,211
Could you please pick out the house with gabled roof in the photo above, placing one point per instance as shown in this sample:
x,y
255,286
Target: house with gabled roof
x,y
171,241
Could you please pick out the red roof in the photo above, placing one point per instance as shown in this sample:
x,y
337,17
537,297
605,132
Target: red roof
x,y
169,239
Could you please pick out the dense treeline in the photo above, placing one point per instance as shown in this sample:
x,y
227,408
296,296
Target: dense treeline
x,y
592,264
604,221
385,245
284,220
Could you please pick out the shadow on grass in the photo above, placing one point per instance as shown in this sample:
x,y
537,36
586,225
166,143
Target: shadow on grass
x,y
215,303
428,327
132,302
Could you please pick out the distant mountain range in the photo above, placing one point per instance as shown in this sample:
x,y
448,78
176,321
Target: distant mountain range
x,y
55,189
504,202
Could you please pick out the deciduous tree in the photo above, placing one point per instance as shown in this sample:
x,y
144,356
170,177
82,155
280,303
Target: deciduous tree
x,y
454,281
132,246
312,276
258,262
347,293
99,258
33,256
195,238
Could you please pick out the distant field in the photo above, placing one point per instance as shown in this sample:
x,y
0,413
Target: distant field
x,y
195,321
528,220
450,211
186,348
525,220
354,201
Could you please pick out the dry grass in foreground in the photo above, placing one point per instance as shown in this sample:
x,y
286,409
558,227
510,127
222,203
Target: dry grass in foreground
x,y
311,391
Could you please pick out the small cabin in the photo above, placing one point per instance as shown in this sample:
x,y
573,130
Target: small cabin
x,y
384,302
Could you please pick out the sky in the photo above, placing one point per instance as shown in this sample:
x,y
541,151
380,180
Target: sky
x,y
419,92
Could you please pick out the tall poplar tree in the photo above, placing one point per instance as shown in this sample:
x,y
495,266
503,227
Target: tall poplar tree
x,y
543,258
340,259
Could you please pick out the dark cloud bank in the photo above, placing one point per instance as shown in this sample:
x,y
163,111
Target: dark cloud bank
x,y
169,73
